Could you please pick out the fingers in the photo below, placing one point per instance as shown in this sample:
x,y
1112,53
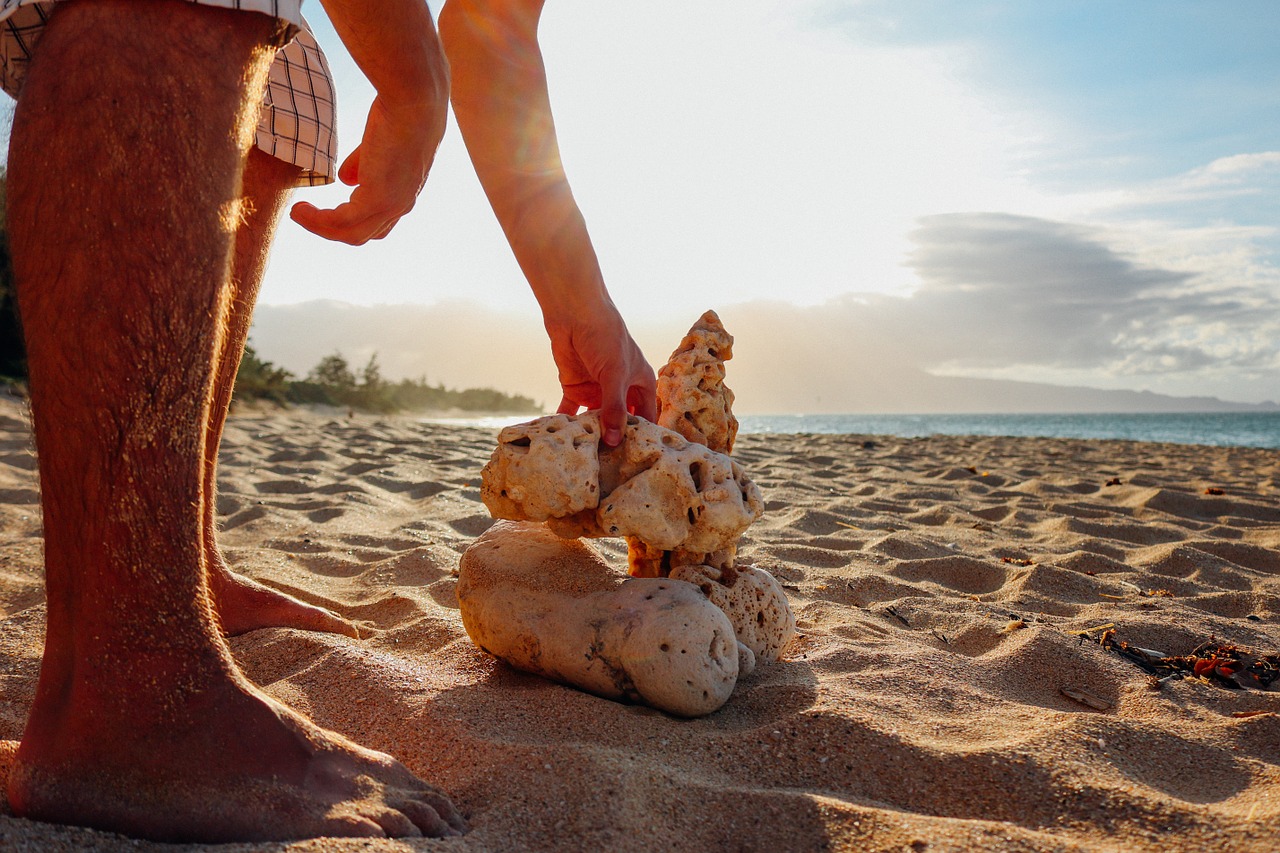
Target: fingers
x,y
613,413
620,401
642,397
352,222
613,416
578,395
615,399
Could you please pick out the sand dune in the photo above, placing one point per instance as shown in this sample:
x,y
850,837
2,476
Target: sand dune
x,y
938,584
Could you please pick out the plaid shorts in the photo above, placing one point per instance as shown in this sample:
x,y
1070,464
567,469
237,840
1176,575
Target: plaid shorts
x,y
296,124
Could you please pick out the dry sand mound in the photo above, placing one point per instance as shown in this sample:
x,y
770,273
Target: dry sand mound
x,y
936,582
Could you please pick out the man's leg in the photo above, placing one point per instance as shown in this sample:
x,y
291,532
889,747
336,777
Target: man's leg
x,y
243,604
125,165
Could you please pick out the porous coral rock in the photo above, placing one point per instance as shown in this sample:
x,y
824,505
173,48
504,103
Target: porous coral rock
x,y
693,401
754,602
545,468
655,485
553,607
684,495
692,397
676,496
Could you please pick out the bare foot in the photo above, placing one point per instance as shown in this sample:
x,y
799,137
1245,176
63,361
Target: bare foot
x,y
245,605
233,766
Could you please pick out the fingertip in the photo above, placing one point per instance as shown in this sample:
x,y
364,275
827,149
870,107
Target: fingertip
x,y
567,407
349,171
643,405
613,419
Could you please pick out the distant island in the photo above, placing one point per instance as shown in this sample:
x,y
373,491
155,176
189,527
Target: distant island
x,y
332,382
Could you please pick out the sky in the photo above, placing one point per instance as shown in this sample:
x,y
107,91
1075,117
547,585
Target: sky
x,y
1076,192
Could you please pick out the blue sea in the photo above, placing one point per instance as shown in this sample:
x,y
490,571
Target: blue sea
x,y
1224,429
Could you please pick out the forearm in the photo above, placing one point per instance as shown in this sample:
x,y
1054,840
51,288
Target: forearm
x,y
394,43
500,99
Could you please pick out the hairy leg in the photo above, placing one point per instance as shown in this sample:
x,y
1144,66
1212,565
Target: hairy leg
x,y
125,165
243,604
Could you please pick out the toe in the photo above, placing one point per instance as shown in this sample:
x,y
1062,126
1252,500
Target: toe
x,y
327,621
397,824
353,826
444,807
432,821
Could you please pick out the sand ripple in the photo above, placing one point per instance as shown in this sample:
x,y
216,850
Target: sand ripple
x,y
938,585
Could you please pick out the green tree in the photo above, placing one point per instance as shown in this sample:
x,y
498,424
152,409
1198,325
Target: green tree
x,y
371,375
333,371
331,382
374,394
261,380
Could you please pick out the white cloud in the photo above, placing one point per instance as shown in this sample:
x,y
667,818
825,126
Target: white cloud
x,y
1231,177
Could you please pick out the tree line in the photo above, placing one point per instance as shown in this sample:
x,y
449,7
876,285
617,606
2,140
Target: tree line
x,y
332,382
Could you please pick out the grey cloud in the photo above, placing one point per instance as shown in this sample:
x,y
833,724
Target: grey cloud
x,y
1000,290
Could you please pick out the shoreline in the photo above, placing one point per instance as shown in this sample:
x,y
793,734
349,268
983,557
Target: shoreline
x,y
912,712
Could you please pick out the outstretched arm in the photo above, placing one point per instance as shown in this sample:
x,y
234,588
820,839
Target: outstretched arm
x,y
395,44
500,99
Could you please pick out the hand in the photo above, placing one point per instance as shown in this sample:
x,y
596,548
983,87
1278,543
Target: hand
x,y
602,367
387,169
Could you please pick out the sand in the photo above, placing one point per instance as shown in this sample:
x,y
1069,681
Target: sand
x,y
937,583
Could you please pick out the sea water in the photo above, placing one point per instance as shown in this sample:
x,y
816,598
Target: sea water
x,y
1224,429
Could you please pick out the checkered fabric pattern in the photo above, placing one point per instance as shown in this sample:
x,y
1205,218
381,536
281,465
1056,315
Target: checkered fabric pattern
x,y
296,124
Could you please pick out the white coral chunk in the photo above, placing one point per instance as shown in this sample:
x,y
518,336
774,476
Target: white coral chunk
x,y
554,607
687,496
692,397
754,602
546,468
656,486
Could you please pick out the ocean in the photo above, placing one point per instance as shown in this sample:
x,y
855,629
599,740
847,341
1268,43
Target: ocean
x,y
1223,429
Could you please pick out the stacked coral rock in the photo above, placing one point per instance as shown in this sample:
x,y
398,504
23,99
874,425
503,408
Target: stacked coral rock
x,y
670,489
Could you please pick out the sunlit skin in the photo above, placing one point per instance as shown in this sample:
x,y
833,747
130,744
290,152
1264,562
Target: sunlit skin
x,y
500,98
141,722
242,604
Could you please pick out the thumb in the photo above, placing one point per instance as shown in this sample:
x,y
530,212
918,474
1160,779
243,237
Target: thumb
x,y
613,413
349,171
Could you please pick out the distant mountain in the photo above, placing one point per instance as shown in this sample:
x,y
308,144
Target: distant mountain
x,y
779,366
958,395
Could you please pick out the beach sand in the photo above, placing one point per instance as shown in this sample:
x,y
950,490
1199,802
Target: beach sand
x,y
937,583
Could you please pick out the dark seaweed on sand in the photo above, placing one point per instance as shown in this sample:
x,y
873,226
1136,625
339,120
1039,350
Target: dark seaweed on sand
x,y
1225,665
